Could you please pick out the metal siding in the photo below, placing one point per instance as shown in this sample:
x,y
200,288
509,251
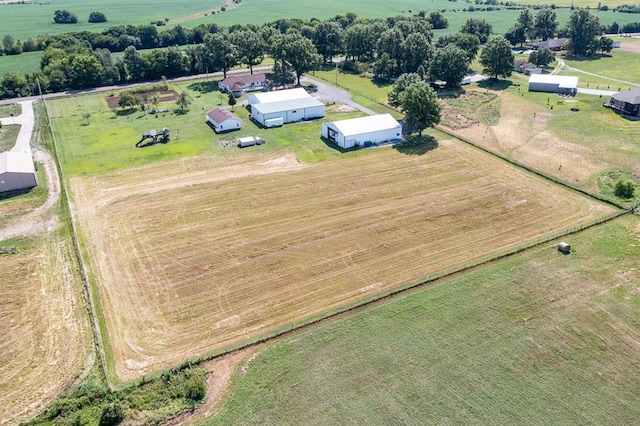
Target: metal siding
x,y
13,181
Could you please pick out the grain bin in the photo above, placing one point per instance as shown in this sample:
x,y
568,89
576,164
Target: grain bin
x,y
564,248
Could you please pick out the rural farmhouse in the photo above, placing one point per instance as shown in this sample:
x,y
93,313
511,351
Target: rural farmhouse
x,y
244,83
223,120
560,84
626,103
16,171
359,131
286,106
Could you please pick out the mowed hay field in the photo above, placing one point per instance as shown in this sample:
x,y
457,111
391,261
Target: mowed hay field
x,y
198,253
536,339
45,342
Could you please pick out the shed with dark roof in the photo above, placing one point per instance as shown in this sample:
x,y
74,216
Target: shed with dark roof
x,y
626,103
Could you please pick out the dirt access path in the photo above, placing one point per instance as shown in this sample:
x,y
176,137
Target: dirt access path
x,y
38,220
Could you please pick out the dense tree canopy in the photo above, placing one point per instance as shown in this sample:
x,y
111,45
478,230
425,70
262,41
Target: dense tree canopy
x,y
583,29
545,25
478,27
404,81
497,58
541,57
96,17
64,17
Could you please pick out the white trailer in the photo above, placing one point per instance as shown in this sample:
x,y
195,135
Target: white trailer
x,y
274,122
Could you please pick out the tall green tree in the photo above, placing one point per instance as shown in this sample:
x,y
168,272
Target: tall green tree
x,y
478,27
133,63
127,100
583,29
327,37
183,101
545,25
404,81
470,43
86,71
449,64
251,47
420,106
222,54
496,57
417,52
541,57
300,54
526,23
438,20
390,50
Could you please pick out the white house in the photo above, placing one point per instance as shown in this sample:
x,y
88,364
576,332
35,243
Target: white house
x,y
17,171
277,96
287,111
359,131
223,120
560,84
238,84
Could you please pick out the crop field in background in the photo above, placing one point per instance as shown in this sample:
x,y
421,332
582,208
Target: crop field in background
x,y
539,338
192,255
46,341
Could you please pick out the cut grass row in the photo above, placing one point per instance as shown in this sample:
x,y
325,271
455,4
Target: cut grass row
x,y
538,338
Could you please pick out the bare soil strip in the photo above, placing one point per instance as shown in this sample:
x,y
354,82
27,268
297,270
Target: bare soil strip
x,y
45,333
196,254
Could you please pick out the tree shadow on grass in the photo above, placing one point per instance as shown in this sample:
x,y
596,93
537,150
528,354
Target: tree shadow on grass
x,y
416,145
597,57
495,84
125,112
204,86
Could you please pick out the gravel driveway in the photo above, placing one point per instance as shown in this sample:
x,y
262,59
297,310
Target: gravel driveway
x,y
328,93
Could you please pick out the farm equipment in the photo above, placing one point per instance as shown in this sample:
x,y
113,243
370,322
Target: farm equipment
x,y
152,137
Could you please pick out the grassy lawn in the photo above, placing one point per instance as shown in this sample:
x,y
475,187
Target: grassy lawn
x,y
106,140
539,338
616,65
8,136
10,109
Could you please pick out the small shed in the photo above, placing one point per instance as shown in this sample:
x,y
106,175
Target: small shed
x,y
358,131
277,96
564,248
290,111
223,120
560,84
17,171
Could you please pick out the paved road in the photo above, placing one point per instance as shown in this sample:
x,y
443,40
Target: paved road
x,y
25,120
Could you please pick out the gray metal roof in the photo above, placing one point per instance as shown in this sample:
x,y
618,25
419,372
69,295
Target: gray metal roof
x,y
631,96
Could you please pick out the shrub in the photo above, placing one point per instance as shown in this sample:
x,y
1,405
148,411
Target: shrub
x,y
195,389
112,414
624,188
64,17
95,17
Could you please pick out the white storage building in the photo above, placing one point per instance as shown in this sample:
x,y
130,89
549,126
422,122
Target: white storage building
x,y
560,84
17,171
270,114
223,120
277,96
358,131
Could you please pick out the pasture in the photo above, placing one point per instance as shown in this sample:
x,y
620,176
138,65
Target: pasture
x,y
539,338
196,254
46,340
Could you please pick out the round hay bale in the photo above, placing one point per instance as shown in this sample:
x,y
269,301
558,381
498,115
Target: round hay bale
x,y
564,248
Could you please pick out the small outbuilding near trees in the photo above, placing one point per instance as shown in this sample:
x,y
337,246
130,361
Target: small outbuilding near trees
x,y
223,120
626,103
17,171
358,131
560,84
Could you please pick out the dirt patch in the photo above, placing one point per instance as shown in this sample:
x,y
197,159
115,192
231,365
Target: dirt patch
x,y
629,46
224,144
163,96
222,249
342,108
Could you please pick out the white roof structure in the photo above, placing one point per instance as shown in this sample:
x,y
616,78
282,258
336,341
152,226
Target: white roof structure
x,y
277,96
287,105
16,162
371,123
563,81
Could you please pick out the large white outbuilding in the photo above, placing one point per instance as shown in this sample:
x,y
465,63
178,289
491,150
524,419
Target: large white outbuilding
x,y
277,96
285,106
360,131
17,171
560,84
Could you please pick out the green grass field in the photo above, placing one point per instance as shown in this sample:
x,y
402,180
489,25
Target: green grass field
x,y
106,140
9,109
617,65
539,338
8,136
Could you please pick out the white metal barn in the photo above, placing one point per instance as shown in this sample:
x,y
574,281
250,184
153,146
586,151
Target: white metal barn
x,y
358,131
277,96
560,84
289,111
223,120
16,171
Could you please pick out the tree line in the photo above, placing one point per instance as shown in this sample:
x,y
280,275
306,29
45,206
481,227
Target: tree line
x,y
387,48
